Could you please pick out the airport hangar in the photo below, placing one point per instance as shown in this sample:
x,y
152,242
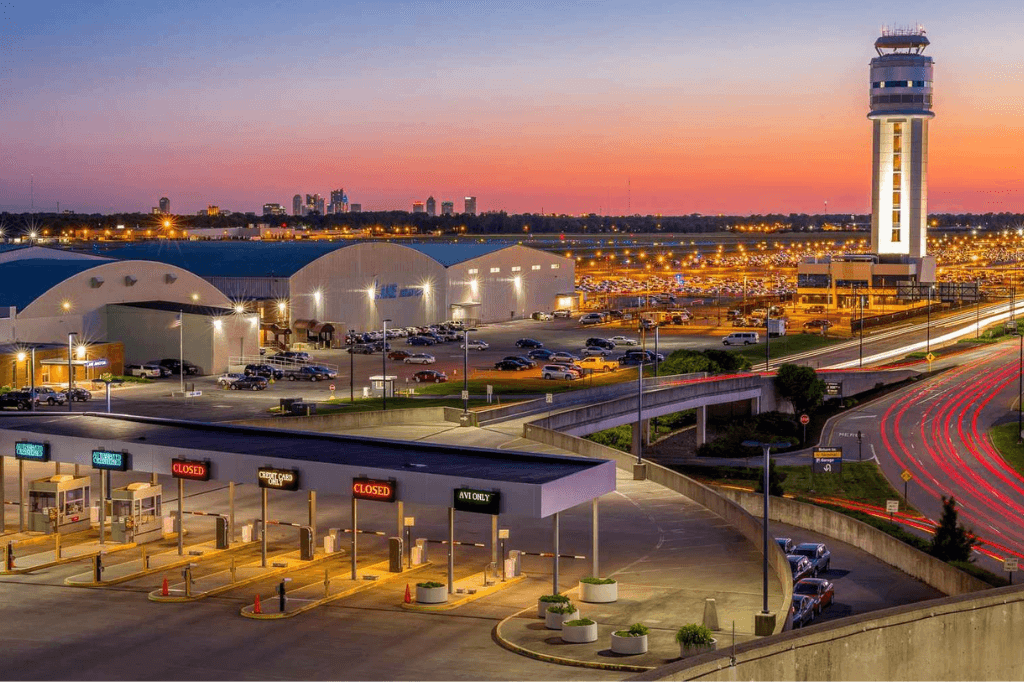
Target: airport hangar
x,y
111,312
317,290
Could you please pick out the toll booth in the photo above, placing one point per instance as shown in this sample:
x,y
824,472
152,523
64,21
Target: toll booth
x,y
135,514
383,385
62,500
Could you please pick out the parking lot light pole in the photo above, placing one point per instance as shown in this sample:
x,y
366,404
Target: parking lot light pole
x,y
766,448
71,375
384,365
861,352
928,338
1020,390
465,371
351,366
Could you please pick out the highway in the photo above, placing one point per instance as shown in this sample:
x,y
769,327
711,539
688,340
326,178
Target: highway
x,y
937,431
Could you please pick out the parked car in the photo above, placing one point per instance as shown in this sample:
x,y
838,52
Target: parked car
x,y
529,343
79,394
814,309
648,323
303,374
21,400
519,358
786,544
542,316
509,365
429,376
802,610
562,357
607,344
476,344
624,341
249,383
229,378
591,318
649,355
822,591
265,371
325,372
598,364
420,341
595,351
740,322
176,365
817,553
817,324
148,371
164,371
420,359
800,566
557,372
562,313
741,339
293,355
398,354
616,314
45,394
542,354
361,349
732,314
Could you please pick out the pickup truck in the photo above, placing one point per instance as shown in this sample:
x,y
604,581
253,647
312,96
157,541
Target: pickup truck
x,y
598,364
303,374
21,400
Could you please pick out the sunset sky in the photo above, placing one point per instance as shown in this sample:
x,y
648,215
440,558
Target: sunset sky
x,y
731,107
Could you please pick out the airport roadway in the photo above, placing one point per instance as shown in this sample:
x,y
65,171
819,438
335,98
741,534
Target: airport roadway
x,y
938,431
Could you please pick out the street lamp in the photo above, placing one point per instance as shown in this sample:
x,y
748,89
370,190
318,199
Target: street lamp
x,y
71,335
928,342
766,448
465,372
351,366
861,351
1020,390
384,366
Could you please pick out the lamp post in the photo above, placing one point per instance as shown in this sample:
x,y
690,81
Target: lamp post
x,y
465,371
766,448
977,308
384,366
767,336
928,341
71,335
640,411
351,366
1020,390
861,351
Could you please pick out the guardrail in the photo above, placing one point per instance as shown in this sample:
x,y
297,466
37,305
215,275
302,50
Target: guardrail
x,y
276,362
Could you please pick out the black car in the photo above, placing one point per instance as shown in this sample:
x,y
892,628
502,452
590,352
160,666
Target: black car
x,y
361,349
265,371
529,343
600,343
79,394
249,383
803,610
164,371
616,314
21,400
292,355
175,366
801,567
519,358
540,354
817,553
325,372
421,341
510,365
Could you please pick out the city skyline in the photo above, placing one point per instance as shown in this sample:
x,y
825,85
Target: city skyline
x,y
658,109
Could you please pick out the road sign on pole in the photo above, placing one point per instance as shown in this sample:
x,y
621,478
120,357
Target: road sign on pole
x,y
805,420
906,476
549,398
465,395
1010,566
827,460
892,506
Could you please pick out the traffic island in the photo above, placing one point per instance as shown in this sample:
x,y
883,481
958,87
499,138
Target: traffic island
x,y
150,564
466,590
84,551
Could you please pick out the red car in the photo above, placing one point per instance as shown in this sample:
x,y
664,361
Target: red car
x,y
398,355
822,591
429,375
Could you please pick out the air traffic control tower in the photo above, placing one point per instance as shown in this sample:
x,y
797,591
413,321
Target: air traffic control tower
x,y
898,265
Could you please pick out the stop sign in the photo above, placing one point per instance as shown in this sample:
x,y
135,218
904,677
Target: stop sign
x,y
332,387
805,420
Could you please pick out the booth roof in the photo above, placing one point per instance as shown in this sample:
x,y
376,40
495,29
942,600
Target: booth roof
x,y
502,466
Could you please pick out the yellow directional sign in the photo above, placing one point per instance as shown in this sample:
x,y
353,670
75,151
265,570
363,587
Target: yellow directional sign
x,y
906,476
930,357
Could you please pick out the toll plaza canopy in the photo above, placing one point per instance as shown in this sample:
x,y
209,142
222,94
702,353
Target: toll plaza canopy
x,y
531,485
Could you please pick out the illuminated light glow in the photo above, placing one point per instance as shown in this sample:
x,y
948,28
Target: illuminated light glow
x,y
281,307
195,297
317,295
66,305
239,308
518,281
217,324
370,292
21,356
80,352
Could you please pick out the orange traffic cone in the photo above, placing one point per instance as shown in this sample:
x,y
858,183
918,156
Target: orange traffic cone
x,y
163,589
256,605
408,597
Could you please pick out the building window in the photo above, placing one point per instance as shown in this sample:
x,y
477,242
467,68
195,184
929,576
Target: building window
x,y
535,267
897,180
494,270
554,266
516,268
473,271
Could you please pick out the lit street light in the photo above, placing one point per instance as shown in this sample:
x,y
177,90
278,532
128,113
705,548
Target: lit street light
x,y
766,448
384,365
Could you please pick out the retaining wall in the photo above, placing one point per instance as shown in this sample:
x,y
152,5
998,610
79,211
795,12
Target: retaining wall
x,y
352,420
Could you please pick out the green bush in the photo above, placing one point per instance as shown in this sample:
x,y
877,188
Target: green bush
x,y
598,581
618,437
563,609
132,380
578,621
635,630
554,599
712,361
770,427
693,635
430,583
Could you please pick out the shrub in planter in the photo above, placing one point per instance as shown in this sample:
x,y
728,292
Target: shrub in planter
x,y
431,593
695,639
598,590
547,600
579,631
632,641
558,614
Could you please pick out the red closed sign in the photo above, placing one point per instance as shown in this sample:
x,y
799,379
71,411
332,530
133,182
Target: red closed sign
x,y
192,469
372,489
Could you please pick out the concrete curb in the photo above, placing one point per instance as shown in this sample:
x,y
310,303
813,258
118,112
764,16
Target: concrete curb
x,y
558,660
448,606
178,563
69,560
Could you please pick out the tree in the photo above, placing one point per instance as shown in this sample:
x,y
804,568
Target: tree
x,y
800,386
952,542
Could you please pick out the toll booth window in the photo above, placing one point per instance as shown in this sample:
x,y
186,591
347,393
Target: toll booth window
x,y
122,509
150,506
76,501
40,502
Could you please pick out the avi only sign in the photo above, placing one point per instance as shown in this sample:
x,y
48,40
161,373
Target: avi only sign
x,y
828,460
478,501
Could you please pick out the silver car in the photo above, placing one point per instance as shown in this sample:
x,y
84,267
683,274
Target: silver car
x,y
420,359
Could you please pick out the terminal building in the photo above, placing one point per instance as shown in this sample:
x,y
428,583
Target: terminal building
x,y
898,271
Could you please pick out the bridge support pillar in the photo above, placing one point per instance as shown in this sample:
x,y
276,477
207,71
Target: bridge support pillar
x,y
637,447
755,406
645,431
702,425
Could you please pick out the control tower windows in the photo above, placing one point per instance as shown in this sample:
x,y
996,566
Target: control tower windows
x,y
897,180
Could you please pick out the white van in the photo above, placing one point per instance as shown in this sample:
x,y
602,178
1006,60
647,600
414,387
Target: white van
x,y
741,338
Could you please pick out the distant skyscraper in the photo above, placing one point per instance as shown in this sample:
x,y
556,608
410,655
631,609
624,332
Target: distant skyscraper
x,y
314,202
339,202
165,205
297,205
273,209
418,207
447,207
431,206
470,205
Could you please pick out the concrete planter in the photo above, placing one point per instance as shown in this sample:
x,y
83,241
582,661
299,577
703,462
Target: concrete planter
x,y
685,651
431,595
553,621
542,607
629,646
598,594
579,634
